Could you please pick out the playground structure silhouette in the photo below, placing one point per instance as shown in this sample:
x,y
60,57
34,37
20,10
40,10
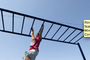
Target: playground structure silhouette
x,y
44,21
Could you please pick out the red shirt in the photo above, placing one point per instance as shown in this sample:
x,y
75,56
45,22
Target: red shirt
x,y
35,43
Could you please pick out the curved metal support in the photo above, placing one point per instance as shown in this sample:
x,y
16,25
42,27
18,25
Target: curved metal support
x,y
81,51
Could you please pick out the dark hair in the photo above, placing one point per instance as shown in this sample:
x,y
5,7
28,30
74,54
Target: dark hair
x,y
38,34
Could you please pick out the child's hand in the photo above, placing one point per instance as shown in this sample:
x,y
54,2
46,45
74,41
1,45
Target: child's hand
x,y
32,29
42,24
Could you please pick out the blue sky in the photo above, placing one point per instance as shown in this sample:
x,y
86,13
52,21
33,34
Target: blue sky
x,y
69,12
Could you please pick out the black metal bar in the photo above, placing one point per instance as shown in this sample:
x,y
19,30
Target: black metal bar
x,y
13,22
2,20
32,26
63,34
15,33
70,35
41,26
81,51
79,39
48,31
22,24
30,36
58,41
56,31
75,36
33,23
40,19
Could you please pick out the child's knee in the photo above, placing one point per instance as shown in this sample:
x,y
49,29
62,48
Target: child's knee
x,y
27,58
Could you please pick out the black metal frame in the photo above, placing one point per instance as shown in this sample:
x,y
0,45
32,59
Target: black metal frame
x,y
44,20
81,51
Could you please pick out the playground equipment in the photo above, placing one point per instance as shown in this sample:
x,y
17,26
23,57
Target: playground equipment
x,y
76,42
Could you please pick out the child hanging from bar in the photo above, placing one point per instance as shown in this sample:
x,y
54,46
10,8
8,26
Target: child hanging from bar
x,y
34,46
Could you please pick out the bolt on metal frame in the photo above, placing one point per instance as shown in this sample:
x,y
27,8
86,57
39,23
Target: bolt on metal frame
x,y
44,20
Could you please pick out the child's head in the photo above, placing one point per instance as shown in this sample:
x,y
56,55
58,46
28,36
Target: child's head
x,y
37,35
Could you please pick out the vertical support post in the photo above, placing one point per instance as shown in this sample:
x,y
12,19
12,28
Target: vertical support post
x,y
70,35
13,22
75,36
56,31
48,30
63,34
79,39
2,20
22,24
81,51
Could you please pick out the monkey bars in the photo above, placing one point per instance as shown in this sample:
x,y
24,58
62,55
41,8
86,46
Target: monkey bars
x,y
68,28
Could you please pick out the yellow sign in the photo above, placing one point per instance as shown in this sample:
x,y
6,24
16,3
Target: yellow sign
x,y
86,28
87,22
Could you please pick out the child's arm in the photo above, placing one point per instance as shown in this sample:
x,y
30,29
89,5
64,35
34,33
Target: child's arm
x,y
32,33
41,31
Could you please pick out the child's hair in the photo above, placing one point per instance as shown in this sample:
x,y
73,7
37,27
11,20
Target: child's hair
x,y
38,34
